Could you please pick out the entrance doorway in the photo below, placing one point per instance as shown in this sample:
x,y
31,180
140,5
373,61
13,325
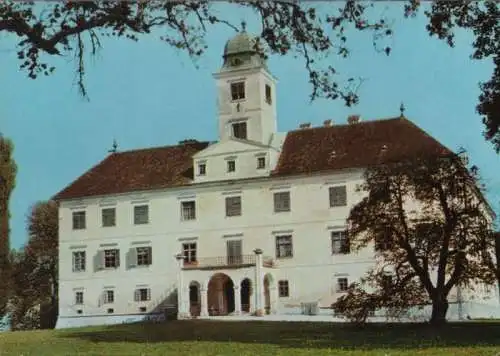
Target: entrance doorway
x,y
220,295
246,292
194,298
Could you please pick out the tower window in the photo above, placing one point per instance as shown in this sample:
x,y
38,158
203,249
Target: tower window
x,y
202,169
238,91
261,162
240,130
268,94
231,166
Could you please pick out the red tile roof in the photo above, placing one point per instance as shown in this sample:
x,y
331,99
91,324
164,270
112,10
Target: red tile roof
x,y
152,168
355,145
304,151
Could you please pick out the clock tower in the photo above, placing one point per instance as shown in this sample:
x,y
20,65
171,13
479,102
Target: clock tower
x,y
246,92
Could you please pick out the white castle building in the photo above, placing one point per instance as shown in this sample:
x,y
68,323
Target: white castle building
x,y
252,224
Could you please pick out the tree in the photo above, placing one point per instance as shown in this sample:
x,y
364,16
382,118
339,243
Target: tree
x,y
35,270
287,27
8,171
431,229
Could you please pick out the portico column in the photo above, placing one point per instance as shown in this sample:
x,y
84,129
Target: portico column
x,y
237,300
259,283
182,293
273,295
204,302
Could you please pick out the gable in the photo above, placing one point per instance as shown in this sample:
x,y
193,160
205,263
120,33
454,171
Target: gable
x,y
230,147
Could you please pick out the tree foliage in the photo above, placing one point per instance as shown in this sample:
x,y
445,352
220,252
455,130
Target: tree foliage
x,y
431,229
8,170
35,270
76,28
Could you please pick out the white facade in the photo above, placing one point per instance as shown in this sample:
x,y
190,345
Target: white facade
x,y
148,278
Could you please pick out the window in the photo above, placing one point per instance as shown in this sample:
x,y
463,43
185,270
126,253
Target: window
x,y
79,220
342,284
233,206
281,202
188,210
238,91
231,166
78,297
383,240
240,130
381,190
340,243
79,261
202,169
261,162
284,246
141,214
386,282
234,252
144,256
109,296
284,290
189,251
338,196
108,217
268,94
111,258
142,295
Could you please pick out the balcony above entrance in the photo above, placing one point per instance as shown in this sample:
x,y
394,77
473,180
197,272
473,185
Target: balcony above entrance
x,y
227,262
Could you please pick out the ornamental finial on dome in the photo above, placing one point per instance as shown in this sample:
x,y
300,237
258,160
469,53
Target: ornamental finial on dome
x,y
243,26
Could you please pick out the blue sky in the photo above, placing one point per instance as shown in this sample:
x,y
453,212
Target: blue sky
x,y
148,94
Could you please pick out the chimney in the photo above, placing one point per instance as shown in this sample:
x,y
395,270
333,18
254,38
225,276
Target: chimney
x,y
327,123
305,125
352,119
188,141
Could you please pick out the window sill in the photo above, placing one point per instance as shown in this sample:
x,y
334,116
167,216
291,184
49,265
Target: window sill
x,y
236,101
141,266
108,268
284,258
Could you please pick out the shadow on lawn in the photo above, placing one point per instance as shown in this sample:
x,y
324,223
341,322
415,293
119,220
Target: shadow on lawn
x,y
301,335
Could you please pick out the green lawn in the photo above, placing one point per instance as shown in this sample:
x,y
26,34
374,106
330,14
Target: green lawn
x,y
258,338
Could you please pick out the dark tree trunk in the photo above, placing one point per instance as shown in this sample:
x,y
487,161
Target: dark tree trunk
x,y
439,309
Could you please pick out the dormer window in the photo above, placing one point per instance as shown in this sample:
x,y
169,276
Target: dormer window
x,y
240,130
238,91
261,162
202,169
231,166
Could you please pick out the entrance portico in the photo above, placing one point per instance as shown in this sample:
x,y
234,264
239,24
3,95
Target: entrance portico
x,y
225,286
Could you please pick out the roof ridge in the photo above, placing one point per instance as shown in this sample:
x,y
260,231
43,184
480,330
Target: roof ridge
x,y
134,150
371,121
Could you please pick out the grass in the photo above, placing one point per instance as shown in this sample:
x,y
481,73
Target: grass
x,y
206,338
